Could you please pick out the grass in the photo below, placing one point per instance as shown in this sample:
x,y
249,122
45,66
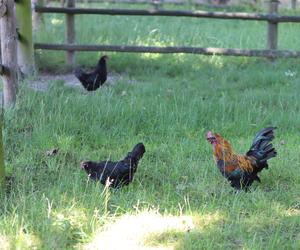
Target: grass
x,y
173,101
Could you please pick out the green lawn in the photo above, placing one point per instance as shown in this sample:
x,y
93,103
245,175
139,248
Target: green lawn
x,y
168,102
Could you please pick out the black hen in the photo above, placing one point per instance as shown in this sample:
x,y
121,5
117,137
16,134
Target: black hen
x,y
115,173
93,80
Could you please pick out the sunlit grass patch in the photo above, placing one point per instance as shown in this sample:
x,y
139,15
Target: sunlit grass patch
x,y
56,21
26,240
4,242
192,225
134,231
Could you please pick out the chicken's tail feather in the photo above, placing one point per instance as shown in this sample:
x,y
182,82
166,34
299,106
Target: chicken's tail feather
x,y
135,155
262,149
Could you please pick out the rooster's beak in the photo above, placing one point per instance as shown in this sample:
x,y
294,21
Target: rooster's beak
x,y
210,137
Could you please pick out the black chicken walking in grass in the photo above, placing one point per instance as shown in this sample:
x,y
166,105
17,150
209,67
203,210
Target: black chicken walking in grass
x,y
241,170
115,174
93,80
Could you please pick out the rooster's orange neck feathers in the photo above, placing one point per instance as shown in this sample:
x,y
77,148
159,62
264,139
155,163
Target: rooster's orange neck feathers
x,y
222,151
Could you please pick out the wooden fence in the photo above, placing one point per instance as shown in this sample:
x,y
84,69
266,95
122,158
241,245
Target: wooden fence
x,y
22,59
159,3
272,18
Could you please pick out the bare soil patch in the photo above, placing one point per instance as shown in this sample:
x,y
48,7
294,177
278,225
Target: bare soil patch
x,y
41,83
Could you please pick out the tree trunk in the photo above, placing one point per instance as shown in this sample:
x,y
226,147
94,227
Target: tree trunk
x,y
2,167
9,54
25,44
294,4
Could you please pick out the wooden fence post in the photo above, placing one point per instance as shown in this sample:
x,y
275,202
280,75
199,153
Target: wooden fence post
x,y
272,26
37,18
8,52
156,4
25,43
70,34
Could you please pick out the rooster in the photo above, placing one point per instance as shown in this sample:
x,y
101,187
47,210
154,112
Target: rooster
x,y
242,170
115,174
93,80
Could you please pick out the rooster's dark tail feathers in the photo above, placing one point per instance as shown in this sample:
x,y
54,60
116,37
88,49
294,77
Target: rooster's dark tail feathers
x,y
261,148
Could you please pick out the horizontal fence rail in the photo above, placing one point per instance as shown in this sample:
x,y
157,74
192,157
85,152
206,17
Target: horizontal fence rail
x,y
175,2
272,18
176,13
159,3
168,50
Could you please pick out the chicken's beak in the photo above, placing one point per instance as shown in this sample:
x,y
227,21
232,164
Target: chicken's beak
x,y
82,165
210,137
